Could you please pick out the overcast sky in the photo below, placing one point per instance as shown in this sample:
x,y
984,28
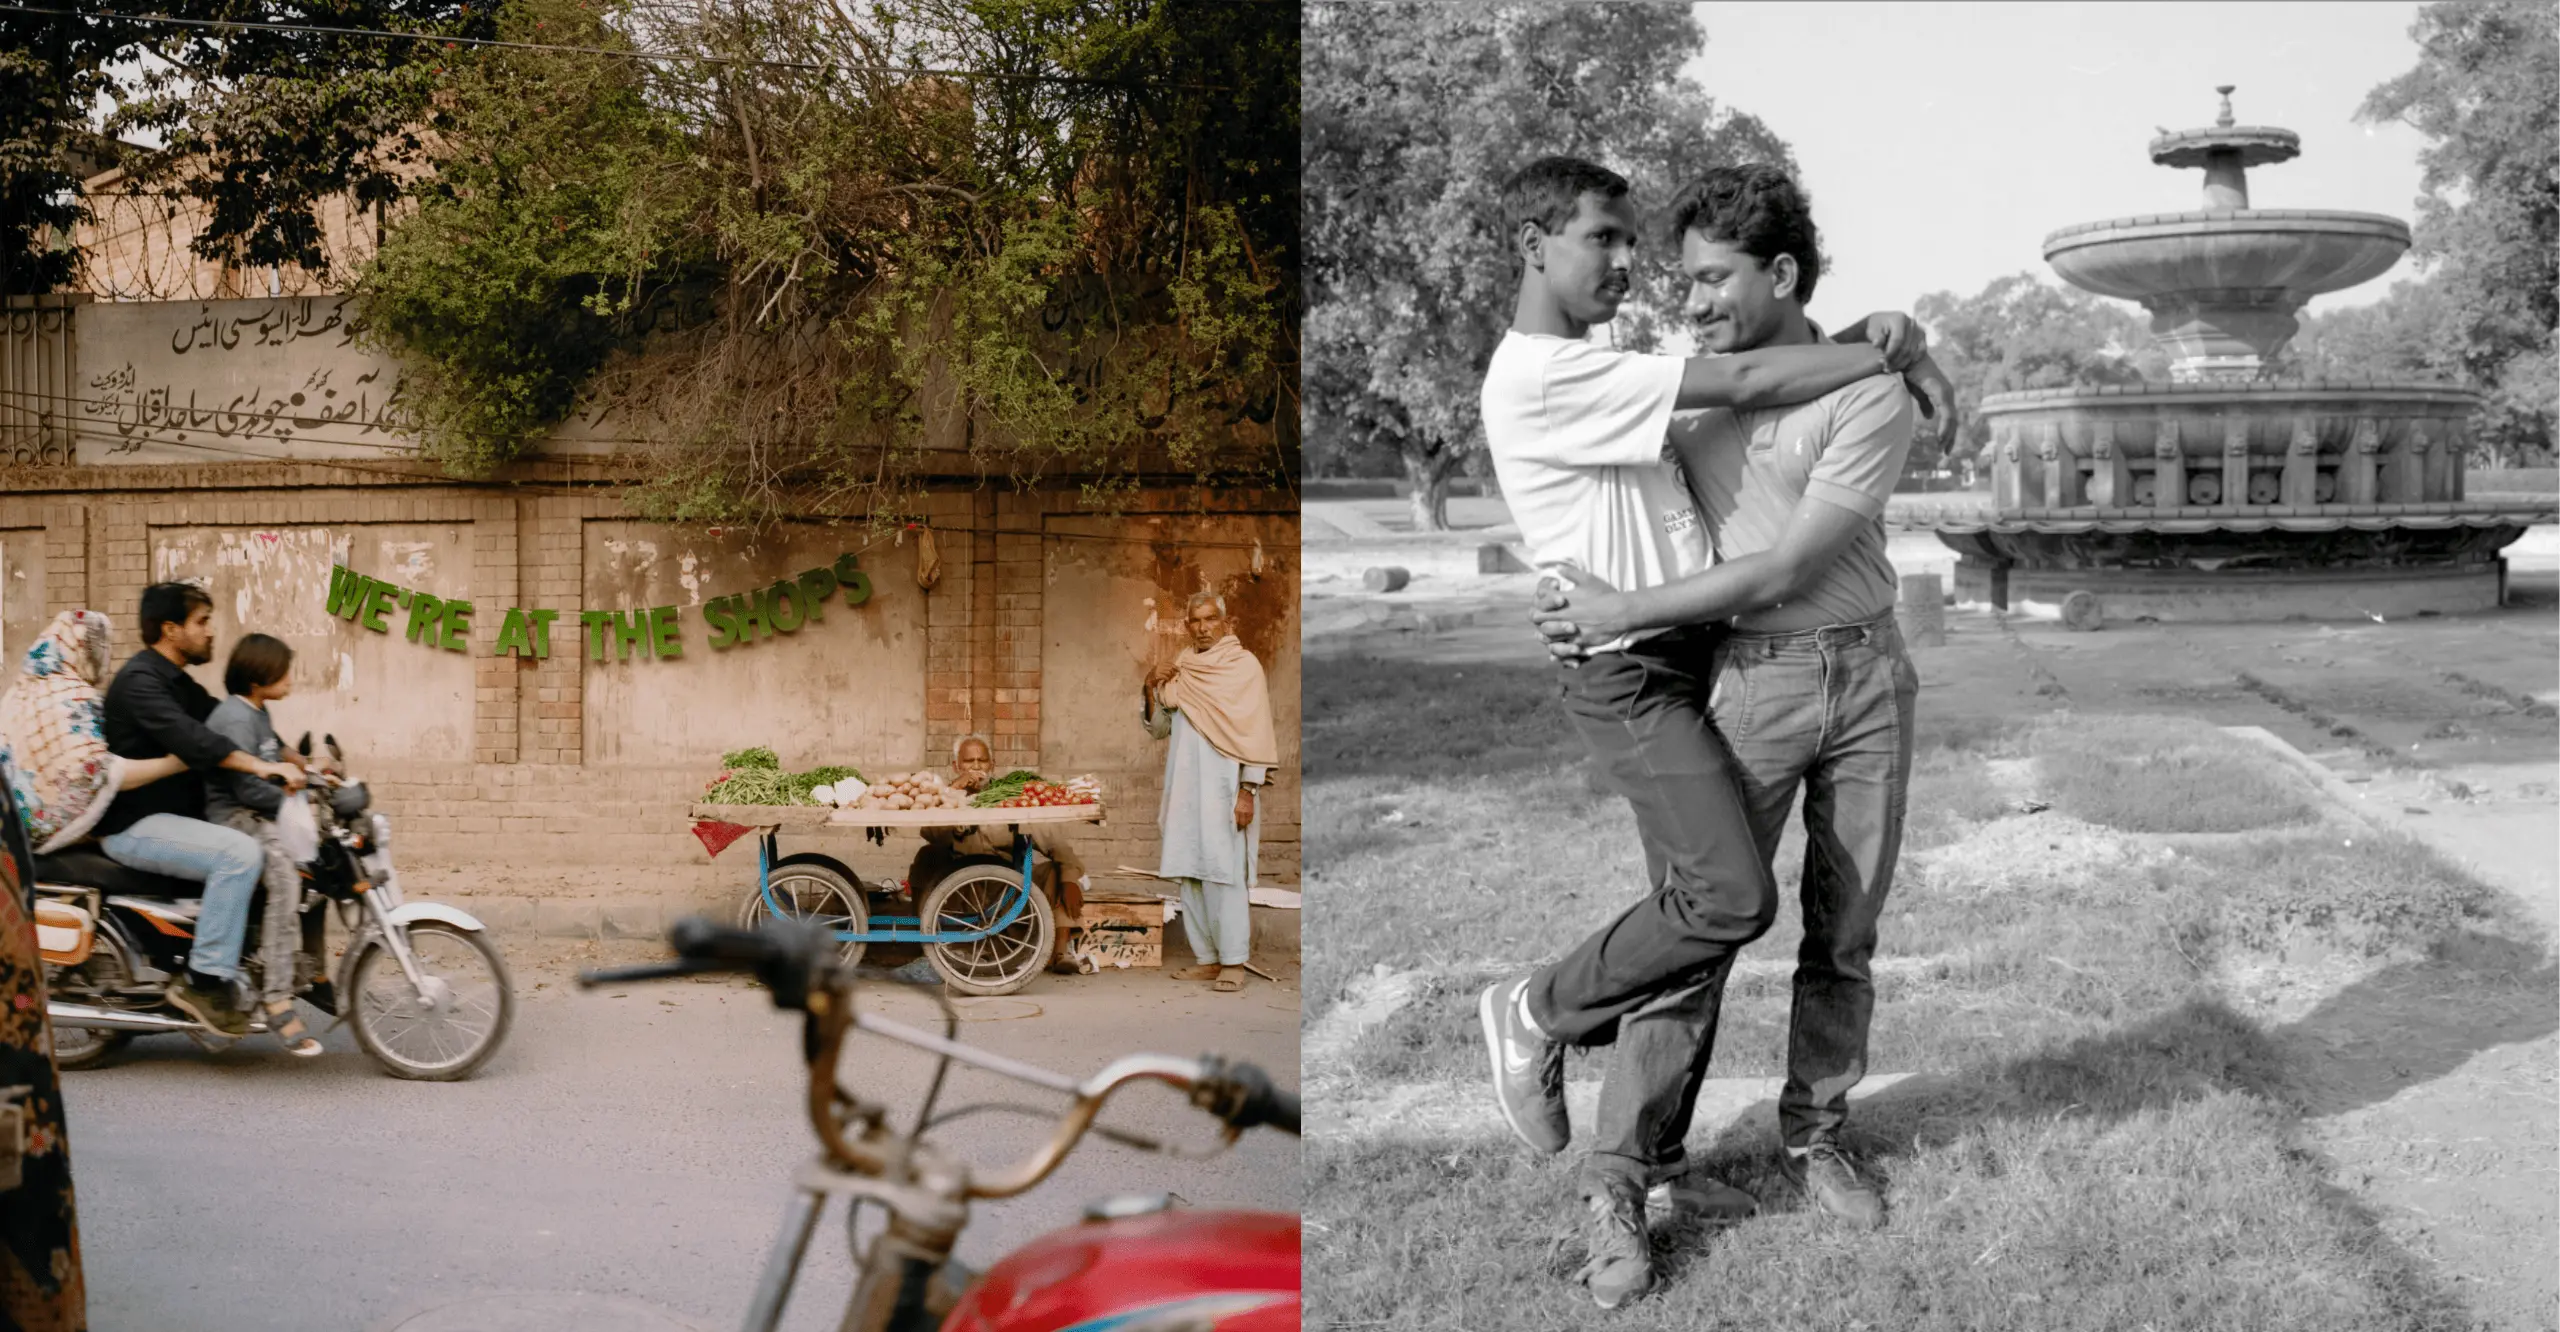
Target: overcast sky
x,y
1941,142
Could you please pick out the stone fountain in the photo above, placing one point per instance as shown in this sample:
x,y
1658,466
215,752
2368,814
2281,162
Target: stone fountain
x,y
2224,494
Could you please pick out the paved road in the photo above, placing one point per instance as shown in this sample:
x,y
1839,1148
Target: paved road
x,y
635,1145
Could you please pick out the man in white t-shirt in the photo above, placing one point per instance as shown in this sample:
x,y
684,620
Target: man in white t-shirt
x,y
1811,691
1577,433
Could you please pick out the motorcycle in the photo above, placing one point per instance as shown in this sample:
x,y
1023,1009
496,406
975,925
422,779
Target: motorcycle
x,y
426,992
1134,1265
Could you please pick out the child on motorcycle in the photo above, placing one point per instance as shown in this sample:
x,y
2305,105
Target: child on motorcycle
x,y
260,671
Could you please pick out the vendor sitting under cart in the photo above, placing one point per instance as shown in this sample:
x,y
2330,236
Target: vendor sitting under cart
x,y
1059,874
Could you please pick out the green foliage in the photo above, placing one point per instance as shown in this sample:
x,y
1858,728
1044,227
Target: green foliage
x,y
2489,223
757,757
1415,113
765,783
757,786
551,216
258,124
2022,333
1089,270
1005,788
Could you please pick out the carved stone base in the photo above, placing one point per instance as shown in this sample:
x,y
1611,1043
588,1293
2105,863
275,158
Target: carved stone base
x,y
2188,597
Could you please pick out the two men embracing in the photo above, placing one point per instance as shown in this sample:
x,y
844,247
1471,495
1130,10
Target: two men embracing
x,y
1722,611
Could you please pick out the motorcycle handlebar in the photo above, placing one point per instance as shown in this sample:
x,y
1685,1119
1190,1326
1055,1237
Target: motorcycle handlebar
x,y
1242,1095
699,940
646,971
797,963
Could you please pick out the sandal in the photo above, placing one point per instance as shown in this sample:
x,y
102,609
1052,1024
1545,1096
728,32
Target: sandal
x,y
1230,980
287,1026
1205,971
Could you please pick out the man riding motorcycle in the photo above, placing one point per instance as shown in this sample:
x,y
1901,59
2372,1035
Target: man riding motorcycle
x,y
155,709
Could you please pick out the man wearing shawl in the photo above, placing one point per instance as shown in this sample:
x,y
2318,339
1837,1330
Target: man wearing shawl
x,y
1213,706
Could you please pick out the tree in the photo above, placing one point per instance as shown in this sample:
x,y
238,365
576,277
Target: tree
x,y
2483,93
260,119
1415,113
2407,335
2022,333
1064,232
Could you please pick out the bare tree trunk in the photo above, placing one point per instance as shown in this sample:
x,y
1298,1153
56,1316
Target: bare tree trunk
x,y
1428,475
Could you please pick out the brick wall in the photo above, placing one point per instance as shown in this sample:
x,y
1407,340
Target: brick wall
x,y
518,806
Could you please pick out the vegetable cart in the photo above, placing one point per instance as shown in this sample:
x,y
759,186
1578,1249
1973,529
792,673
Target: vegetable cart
x,y
984,926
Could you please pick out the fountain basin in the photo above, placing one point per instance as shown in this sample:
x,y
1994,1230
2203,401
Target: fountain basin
x,y
2162,447
2223,288
2219,502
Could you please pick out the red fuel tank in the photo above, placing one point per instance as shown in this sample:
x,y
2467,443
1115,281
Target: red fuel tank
x,y
1172,1271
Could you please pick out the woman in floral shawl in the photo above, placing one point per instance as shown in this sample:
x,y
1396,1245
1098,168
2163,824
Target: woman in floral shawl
x,y
40,1281
53,734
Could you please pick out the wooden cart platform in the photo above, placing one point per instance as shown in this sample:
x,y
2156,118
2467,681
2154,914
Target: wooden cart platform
x,y
801,818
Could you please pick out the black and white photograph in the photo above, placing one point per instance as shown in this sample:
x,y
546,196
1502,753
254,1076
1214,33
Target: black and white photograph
x,y
1929,666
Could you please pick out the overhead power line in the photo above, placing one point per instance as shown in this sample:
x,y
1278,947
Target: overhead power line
x,y
666,57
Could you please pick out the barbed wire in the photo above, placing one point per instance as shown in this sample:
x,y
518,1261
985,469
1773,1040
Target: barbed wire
x,y
129,250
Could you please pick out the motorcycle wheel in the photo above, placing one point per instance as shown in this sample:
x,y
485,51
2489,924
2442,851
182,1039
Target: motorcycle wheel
x,y
84,1047
444,1046
1003,962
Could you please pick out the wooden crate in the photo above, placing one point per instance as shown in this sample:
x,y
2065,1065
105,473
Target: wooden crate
x,y
1138,945
1117,929
1148,912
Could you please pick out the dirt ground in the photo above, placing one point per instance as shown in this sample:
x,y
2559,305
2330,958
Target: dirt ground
x,y
2443,727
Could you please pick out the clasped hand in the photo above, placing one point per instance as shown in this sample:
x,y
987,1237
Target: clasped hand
x,y
1574,610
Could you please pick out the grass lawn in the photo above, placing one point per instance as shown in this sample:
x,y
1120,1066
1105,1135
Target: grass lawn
x,y
2105,1135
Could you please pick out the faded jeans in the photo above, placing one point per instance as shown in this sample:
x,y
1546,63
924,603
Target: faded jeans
x,y
227,862
1830,711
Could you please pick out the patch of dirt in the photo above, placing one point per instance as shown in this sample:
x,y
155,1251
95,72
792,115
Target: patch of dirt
x,y
2033,853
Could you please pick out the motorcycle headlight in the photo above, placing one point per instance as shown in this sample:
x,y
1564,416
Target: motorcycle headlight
x,y
380,828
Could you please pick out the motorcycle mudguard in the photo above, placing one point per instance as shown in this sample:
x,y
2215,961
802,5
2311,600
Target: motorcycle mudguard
x,y
1231,1271
408,913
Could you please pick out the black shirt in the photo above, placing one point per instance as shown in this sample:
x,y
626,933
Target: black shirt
x,y
155,709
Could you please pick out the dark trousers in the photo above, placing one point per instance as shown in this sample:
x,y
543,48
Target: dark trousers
x,y
1828,711
1643,713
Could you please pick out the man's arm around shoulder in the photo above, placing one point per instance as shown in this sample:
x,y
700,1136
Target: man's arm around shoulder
x,y
1870,438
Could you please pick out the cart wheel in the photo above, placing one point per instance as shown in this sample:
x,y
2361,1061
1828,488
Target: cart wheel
x,y
971,898
811,891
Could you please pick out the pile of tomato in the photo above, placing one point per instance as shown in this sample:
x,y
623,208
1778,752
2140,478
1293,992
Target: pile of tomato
x,y
1046,793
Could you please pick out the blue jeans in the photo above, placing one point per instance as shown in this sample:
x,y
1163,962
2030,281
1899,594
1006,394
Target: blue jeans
x,y
227,862
1830,711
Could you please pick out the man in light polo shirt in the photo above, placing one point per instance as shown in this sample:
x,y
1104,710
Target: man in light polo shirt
x,y
1577,433
1811,687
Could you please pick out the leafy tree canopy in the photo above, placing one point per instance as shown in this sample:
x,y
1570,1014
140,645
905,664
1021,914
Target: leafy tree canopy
x,y
1076,253
259,119
2023,333
1415,113
801,244
2486,93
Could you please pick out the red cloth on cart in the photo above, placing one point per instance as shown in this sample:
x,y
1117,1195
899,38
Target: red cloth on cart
x,y
717,836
